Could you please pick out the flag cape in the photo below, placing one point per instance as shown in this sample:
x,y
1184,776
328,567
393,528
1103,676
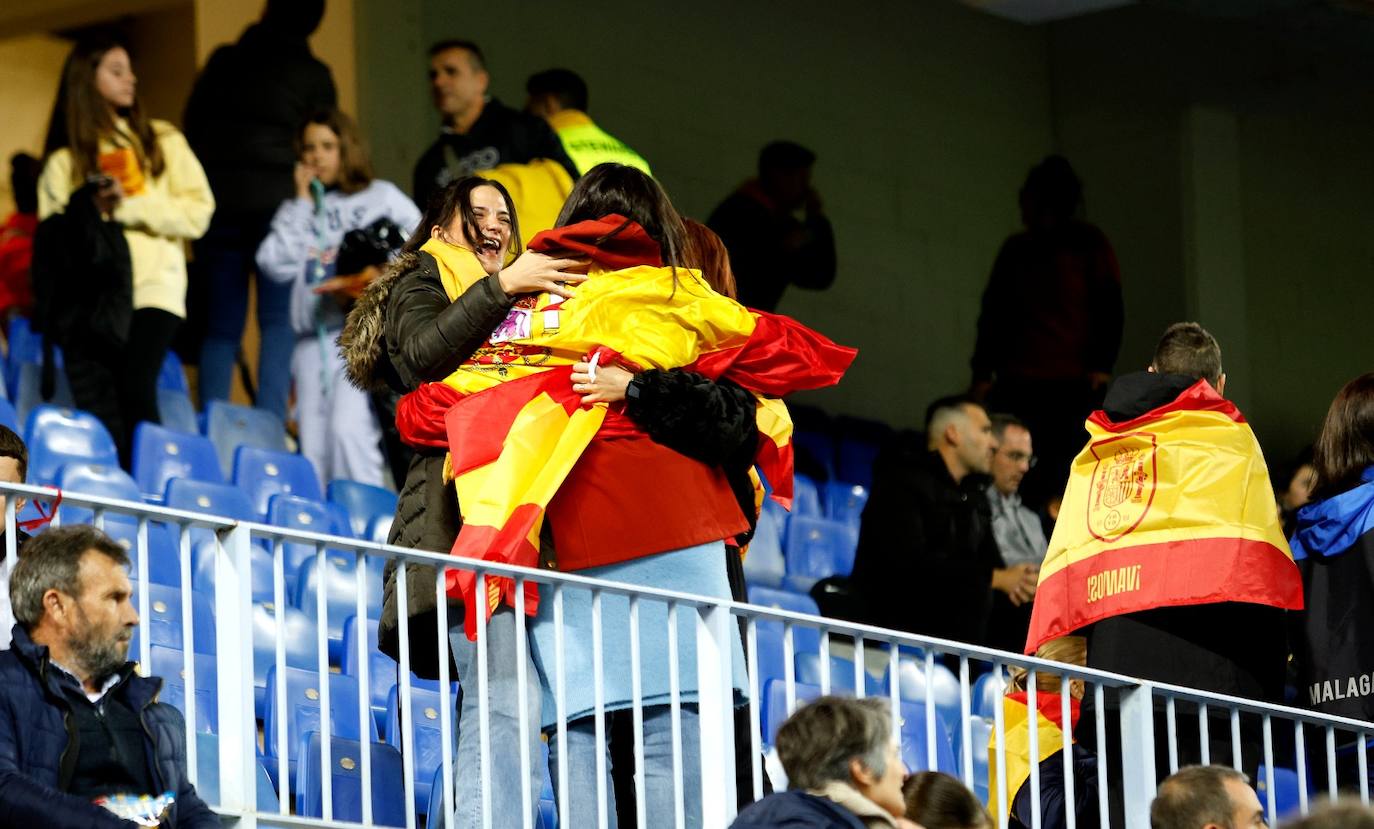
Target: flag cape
x,y
1171,508
515,428
1049,728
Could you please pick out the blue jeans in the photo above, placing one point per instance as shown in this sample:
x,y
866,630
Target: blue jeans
x,y
503,731
656,776
226,256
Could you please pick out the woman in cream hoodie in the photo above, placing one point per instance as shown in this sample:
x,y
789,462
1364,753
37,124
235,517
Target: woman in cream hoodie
x,y
147,179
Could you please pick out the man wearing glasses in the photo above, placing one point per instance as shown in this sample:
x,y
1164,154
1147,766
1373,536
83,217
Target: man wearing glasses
x,y
1020,537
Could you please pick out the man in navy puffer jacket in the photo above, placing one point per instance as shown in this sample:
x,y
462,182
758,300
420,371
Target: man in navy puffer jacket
x,y
76,722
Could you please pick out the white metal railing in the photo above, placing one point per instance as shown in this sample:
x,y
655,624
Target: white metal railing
x,y
1147,711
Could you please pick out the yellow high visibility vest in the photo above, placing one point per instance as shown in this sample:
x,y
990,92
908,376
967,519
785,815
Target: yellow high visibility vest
x,y
588,145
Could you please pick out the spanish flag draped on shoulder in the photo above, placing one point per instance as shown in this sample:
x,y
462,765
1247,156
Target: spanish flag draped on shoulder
x,y
1171,508
515,428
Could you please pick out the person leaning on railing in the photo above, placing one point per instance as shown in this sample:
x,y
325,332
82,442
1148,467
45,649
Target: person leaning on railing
x,y
403,332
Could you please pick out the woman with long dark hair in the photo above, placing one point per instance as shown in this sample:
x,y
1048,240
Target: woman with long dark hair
x,y
1334,548
140,173
403,332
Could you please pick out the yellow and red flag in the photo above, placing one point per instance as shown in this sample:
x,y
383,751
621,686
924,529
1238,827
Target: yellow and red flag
x,y
1049,729
1171,508
513,424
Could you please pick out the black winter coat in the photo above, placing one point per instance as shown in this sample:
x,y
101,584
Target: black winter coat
x,y
36,733
245,111
926,550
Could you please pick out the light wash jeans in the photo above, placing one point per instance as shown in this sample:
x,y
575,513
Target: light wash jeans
x,y
657,775
503,732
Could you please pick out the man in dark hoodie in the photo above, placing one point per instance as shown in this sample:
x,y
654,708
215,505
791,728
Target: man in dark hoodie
x,y
478,131
242,119
1230,648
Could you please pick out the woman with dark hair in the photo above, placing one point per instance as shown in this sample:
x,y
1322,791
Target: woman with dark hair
x,y
335,196
1334,548
405,331
105,151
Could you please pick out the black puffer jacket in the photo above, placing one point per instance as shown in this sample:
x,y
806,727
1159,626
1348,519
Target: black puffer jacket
x,y
404,332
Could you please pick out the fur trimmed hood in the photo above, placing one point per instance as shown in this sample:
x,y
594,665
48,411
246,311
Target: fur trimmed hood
x,y
362,342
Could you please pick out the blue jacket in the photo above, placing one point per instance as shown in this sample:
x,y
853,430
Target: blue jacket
x,y
1334,651
796,810
36,733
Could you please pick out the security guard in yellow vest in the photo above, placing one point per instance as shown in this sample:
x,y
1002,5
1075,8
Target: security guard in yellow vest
x,y
559,96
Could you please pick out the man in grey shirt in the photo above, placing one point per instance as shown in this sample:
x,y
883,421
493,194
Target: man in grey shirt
x,y
1016,528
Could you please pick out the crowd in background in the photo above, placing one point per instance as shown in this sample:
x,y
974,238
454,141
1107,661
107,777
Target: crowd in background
x,y
356,305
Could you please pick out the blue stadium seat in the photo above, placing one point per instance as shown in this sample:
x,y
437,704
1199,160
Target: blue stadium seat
x,y
382,670
292,512
429,743
164,553
816,548
26,391
806,498
841,673
1287,793
303,711
262,473
203,572
844,502
763,562
23,345
9,418
364,502
207,779
223,500
346,782
987,693
57,436
780,518
772,650
169,664
814,451
856,459
914,745
172,376
979,732
105,481
379,529
164,620
782,600
230,426
943,688
298,634
162,454
775,705
340,591
340,520
178,413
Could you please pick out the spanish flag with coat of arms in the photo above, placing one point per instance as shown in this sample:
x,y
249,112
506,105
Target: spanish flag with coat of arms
x,y
515,428
1170,508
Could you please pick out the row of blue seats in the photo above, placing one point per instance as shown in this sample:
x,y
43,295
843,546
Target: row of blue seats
x,y
22,369
810,549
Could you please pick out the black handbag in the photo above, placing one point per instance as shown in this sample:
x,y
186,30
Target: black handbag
x,y
370,246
